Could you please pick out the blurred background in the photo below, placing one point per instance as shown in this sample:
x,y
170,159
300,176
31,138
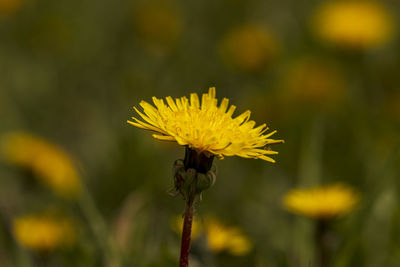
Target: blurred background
x,y
81,187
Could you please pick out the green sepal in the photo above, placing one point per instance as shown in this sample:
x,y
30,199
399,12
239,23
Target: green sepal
x,y
190,183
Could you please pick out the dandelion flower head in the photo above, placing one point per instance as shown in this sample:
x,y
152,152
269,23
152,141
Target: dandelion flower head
x,y
41,232
354,24
51,165
206,127
322,202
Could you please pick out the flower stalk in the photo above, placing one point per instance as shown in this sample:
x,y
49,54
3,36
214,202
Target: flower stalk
x,y
322,246
192,175
186,234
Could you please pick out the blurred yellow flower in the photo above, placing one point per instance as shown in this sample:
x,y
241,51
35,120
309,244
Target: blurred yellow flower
x,y
206,127
248,48
43,233
353,24
51,165
219,236
324,202
314,83
158,23
8,7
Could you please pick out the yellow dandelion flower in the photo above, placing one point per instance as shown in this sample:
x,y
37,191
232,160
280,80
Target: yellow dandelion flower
x,y
354,24
8,7
205,127
158,23
43,232
313,83
226,238
49,164
248,48
324,202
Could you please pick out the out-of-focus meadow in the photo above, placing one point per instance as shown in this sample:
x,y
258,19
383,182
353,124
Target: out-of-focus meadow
x,y
81,187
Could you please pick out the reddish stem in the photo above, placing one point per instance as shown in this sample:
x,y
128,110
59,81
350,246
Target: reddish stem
x,y
186,235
